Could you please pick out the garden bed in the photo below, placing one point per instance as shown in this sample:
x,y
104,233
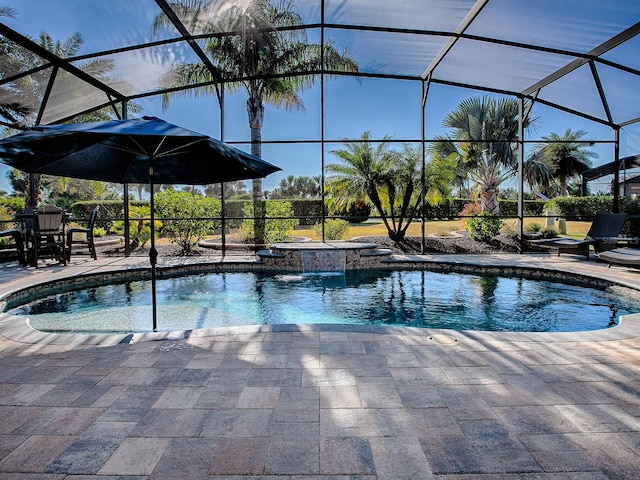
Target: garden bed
x,y
450,245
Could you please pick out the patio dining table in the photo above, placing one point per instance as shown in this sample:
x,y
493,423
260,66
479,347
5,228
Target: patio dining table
x,y
28,222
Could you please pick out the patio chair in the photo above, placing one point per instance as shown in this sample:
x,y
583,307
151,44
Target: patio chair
x,y
627,256
604,229
47,238
82,238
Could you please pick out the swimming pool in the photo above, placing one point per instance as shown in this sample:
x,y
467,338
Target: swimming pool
x,y
415,298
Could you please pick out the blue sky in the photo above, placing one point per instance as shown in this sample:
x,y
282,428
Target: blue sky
x,y
385,107
396,114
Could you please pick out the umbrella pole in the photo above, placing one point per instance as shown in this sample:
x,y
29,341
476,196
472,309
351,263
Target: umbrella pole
x,y
153,253
32,190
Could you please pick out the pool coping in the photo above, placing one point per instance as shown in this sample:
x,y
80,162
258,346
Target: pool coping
x,y
525,265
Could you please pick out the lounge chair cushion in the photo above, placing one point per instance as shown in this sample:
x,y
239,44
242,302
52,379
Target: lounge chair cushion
x,y
624,256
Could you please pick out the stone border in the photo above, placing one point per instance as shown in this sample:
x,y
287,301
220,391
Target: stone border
x,y
355,255
452,235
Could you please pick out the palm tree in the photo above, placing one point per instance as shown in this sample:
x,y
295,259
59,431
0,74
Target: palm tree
x,y
389,180
484,132
564,156
361,169
257,45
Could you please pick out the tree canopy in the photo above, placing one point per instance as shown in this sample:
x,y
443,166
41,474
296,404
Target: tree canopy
x,y
483,135
564,156
254,53
390,180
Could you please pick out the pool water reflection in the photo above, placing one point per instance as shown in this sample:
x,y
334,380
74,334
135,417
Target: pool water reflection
x,y
396,298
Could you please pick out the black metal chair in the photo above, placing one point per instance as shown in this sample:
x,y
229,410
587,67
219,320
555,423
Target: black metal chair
x,y
82,238
47,238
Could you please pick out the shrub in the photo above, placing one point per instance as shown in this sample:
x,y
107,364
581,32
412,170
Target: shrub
x,y
307,211
6,215
186,217
110,211
549,232
13,204
509,228
483,227
139,226
277,227
534,227
469,210
6,218
584,208
334,229
444,231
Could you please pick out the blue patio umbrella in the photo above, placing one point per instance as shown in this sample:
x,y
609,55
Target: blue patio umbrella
x,y
144,150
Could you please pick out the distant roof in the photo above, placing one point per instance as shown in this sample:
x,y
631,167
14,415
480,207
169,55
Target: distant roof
x,y
609,168
634,179
579,56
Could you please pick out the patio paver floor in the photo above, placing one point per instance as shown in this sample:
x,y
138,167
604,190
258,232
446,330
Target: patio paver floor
x,y
328,403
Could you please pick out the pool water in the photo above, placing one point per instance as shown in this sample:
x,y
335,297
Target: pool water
x,y
395,298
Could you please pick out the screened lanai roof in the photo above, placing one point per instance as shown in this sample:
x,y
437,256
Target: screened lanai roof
x,y
579,56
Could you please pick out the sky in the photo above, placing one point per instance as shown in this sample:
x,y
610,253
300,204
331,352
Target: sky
x,y
381,106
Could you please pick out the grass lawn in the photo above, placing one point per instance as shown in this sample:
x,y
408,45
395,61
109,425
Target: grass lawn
x,y
377,228
577,229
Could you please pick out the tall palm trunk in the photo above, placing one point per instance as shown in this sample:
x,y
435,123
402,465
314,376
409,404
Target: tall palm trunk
x,y
563,185
255,110
488,178
34,192
489,200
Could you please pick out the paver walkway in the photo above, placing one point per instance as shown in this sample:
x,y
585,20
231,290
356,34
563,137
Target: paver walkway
x,y
321,403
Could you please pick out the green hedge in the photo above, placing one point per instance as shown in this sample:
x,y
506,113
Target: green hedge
x,y
584,208
308,212
110,211
533,208
580,208
452,207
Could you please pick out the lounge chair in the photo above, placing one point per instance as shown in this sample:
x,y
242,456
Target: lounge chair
x,y
604,229
627,256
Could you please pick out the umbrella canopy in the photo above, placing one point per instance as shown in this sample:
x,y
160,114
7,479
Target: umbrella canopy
x,y
122,151
131,151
